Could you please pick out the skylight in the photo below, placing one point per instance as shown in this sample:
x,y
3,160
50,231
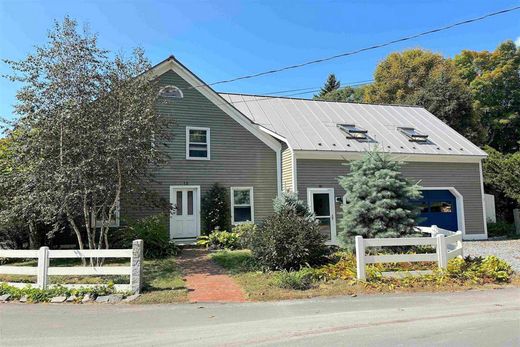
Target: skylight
x,y
414,135
353,132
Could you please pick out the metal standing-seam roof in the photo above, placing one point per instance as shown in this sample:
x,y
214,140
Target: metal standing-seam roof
x,y
309,125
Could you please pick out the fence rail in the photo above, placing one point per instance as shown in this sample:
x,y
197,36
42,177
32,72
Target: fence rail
x,y
42,271
447,245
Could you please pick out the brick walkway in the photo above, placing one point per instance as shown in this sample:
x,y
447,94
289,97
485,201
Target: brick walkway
x,y
206,281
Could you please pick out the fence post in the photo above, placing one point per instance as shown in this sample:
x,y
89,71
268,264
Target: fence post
x,y
136,276
435,230
459,244
360,258
442,251
43,268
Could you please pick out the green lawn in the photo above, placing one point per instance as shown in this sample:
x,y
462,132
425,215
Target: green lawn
x,y
162,283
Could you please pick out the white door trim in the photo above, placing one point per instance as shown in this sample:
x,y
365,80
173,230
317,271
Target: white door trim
x,y
333,233
459,201
197,210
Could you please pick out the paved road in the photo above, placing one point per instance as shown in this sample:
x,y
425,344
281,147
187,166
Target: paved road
x,y
473,318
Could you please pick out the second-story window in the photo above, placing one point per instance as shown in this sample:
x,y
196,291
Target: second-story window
x,y
197,143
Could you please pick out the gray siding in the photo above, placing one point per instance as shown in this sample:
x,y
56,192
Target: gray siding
x,y
465,177
287,169
238,158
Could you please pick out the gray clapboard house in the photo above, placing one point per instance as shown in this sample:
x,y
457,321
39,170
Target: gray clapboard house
x,y
258,146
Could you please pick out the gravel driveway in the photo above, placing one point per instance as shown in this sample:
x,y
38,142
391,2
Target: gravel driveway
x,y
508,250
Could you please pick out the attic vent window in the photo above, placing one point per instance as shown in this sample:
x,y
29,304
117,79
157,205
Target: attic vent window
x,y
353,132
171,92
414,135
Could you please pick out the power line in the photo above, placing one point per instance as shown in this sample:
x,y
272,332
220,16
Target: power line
x,y
299,90
313,89
357,51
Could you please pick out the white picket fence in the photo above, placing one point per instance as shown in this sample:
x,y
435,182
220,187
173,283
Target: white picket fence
x,y
447,244
42,271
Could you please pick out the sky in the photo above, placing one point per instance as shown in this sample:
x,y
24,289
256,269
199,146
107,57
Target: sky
x,y
219,40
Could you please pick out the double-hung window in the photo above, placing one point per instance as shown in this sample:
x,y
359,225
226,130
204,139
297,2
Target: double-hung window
x,y
197,143
242,207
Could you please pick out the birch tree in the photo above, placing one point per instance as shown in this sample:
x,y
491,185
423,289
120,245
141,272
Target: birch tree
x,y
88,133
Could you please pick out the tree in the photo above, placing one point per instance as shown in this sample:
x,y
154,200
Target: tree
x,y
88,133
378,200
419,77
346,94
494,82
215,209
502,177
331,84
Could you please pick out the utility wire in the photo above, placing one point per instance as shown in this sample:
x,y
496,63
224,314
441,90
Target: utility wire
x,y
357,51
307,91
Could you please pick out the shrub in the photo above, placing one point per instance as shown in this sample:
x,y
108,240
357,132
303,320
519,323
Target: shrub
x,y
154,232
500,228
299,280
245,232
287,241
220,240
289,201
344,268
475,270
495,269
480,270
215,209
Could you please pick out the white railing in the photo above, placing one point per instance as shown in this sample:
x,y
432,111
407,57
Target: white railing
x,y
447,244
42,271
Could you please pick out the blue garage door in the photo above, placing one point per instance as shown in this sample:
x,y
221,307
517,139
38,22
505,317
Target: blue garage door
x,y
438,207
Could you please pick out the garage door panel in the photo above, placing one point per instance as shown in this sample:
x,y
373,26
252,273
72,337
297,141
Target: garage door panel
x,y
438,207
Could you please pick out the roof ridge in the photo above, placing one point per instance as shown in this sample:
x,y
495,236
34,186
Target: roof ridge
x,y
328,101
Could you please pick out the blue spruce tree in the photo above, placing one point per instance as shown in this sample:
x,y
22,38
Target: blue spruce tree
x,y
378,200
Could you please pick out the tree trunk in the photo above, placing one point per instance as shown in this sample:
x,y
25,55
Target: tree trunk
x,y
78,236
33,238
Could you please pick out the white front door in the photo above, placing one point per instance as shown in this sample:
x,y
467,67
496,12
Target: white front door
x,y
185,217
321,202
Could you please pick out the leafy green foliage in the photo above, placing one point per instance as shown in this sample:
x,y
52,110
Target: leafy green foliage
x,y
459,271
494,82
378,200
288,241
302,279
215,209
489,269
502,173
500,228
154,232
45,295
245,232
419,77
220,239
344,268
346,94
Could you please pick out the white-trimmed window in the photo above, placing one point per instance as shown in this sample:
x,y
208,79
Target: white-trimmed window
x,y
197,143
115,223
242,205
